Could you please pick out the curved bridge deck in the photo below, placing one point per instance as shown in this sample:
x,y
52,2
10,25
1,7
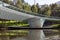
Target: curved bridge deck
x,y
13,13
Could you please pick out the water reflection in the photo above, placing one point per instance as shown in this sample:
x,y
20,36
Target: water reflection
x,y
48,34
52,34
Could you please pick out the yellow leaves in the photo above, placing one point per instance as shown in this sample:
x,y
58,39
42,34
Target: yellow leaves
x,y
55,30
18,31
55,24
0,21
7,21
14,32
22,24
0,33
48,12
4,33
13,23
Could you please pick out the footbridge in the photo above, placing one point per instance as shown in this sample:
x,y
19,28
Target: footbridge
x,y
35,20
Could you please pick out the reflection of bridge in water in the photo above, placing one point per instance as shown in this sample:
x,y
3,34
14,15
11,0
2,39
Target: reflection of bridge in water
x,y
35,20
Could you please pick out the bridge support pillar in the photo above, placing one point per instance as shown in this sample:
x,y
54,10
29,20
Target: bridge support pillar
x,y
36,34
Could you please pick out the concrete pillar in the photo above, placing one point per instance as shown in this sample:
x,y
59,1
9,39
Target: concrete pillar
x,y
36,34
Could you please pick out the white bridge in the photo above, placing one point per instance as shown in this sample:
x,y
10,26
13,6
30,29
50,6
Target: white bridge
x,y
35,21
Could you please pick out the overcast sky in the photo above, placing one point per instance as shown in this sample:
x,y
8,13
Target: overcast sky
x,y
41,2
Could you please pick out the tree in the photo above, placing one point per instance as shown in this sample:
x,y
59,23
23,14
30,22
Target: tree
x,y
53,6
27,7
55,10
38,8
34,8
22,1
48,11
6,1
19,4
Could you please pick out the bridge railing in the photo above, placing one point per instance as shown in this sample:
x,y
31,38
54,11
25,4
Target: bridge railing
x,y
29,12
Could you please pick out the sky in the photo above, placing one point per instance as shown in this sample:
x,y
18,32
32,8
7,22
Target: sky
x,y
41,2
